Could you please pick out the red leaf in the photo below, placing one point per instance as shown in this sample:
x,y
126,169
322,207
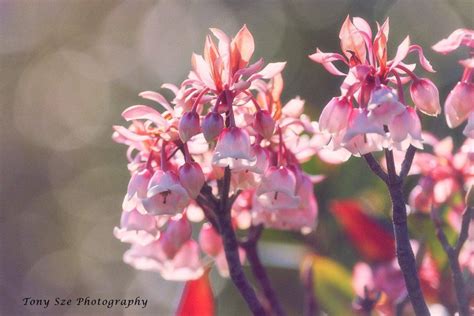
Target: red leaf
x,y
197,298
368,236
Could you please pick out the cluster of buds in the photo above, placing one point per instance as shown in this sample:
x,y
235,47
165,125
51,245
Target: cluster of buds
x,y
227,115
371,113
459,105
444,175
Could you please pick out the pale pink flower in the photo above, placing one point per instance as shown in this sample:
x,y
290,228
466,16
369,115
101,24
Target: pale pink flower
x,y
136,227
335,115
406,128
459,103
300,217
367,92
443,174
166,194
233,149
185,265
278,189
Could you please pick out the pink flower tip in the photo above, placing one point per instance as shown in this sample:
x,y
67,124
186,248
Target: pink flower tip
x,y
189,125
425,95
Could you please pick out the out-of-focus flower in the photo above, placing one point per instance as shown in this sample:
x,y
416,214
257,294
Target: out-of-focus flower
x,y
372,102
460,105
443,175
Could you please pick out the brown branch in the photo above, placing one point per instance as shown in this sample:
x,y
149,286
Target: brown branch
x,y
453,256
375,167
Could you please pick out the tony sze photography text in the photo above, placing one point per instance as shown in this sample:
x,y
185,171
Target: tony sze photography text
x,y
86,301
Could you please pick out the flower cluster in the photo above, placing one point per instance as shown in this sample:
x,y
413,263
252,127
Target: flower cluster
x,y
459,105
227,115
444,175
371,113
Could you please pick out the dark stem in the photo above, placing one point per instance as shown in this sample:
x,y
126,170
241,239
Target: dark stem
x,y
310,303
375,167
405,256
231,248
453,256
258,270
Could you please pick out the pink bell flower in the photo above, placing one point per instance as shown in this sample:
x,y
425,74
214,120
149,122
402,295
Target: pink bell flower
x,y
384,105
185,265
233,149
137,228
406,125
278,189
301,217
459,104
335,115
166,195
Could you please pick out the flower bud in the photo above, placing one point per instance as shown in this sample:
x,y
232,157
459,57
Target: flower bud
x,y
384,105
425,95
209,240
335,115
189,125
459,104
192,178
212,126
176,234
264,124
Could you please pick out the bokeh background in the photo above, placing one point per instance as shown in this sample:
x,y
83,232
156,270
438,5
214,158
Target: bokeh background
x,y
68,69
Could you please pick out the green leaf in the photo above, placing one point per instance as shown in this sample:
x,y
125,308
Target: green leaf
x,y
332,286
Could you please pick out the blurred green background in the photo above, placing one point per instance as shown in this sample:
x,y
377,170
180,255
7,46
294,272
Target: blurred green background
x,y
69,68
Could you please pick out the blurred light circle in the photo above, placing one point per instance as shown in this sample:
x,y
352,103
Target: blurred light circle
x,y
59,107
53,275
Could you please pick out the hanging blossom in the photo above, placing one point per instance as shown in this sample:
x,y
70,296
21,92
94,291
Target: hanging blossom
x,y
371,113
459,105
444,175
227,113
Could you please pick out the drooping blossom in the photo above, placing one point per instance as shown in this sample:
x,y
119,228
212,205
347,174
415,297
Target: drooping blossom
x,y
371,113
459,105
226,114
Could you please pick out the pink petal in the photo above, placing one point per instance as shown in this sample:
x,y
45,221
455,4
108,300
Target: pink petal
x,y
244,44
423,61
455,39
402,52
158,98
362,26
326,60
203,71
467,63
144,112
271,70
352,40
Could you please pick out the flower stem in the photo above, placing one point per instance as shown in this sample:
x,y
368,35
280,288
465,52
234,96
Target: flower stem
x,y
231,249
405,256
453,256
258,270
